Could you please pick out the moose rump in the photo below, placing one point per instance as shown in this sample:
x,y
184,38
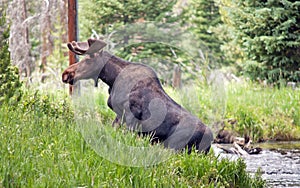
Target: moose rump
x,y
138,99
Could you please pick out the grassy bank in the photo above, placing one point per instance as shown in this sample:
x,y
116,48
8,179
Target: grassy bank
x,y
264,113
40,147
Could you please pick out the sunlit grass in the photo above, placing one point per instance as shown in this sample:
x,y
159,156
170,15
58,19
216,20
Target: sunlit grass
x,y
41,148
261,112
270,113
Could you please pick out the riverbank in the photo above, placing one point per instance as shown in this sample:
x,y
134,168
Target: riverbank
x,y
263,113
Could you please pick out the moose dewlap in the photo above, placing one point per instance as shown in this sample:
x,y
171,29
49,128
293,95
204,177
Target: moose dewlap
x,y
137,97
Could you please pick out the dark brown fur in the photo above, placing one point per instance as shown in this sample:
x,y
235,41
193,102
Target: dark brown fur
x,y
137,97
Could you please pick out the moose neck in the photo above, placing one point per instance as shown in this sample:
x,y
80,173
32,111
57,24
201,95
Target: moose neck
x,y
112,68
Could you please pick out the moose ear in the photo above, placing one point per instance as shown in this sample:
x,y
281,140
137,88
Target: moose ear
x,y
95,46
78,48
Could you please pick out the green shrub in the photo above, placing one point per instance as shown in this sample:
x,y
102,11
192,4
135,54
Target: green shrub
x,y
46,105
10,85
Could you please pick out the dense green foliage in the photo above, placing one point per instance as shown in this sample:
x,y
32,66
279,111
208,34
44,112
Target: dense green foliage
x,y
268,34
9,75
104,16
201,17
261,38
140,32
158,46
41,147
264,113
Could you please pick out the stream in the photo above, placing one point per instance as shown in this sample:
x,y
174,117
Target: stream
x,y
279,163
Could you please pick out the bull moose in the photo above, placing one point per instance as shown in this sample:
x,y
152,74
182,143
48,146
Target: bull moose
x,y
137,97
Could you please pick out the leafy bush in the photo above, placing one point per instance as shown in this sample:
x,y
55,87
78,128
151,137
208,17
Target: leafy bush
x,y
45,105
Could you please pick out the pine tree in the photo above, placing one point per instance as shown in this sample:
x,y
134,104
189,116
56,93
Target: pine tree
x,y
103,16
114,14
269,35
202,17
134,16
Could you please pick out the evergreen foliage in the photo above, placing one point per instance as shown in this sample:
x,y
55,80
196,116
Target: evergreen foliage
x,y
268,33
103,16
158,46
202,17
126,23
9,75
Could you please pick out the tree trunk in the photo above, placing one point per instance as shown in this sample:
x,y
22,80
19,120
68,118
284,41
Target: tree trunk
x,y
72,35
19,44
176,83
46,44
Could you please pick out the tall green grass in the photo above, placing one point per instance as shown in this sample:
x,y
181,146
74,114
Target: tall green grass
x,y
264,113
40,146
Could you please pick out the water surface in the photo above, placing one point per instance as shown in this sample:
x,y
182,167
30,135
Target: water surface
x,y
279,163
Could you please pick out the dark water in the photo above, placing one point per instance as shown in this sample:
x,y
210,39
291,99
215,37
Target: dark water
x,y
279,163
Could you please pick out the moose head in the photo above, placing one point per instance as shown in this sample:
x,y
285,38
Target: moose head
x,y
89,67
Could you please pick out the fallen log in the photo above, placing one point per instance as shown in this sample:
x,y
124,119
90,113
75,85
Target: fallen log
x,y
240,150
243,150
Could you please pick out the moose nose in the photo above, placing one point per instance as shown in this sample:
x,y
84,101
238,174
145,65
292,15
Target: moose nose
x,y
68,77
65,77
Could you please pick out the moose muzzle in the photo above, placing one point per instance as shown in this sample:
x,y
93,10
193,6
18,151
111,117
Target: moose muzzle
x,y
68,75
